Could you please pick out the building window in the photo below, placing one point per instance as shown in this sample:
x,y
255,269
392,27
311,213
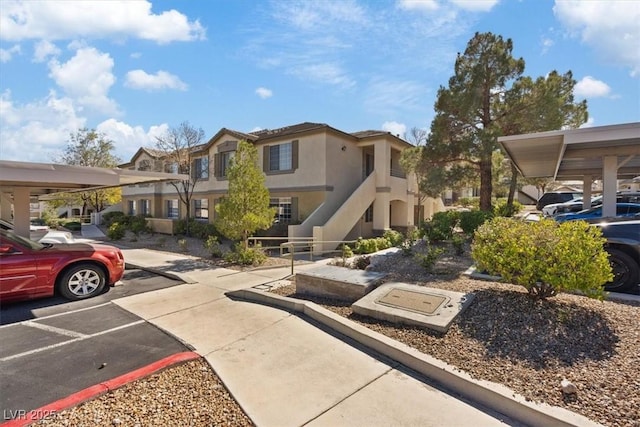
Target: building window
x,y
201,209
145,207
201,168
171,167
172,208
368,214
225,161
132,207
280,157
283,209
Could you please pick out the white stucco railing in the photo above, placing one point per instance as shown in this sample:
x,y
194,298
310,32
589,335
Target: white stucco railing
x,y
346,216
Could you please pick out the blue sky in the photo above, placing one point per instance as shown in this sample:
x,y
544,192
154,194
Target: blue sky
x,y
131,69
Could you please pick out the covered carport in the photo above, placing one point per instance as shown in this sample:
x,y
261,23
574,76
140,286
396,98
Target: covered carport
x,y
606,153
22,181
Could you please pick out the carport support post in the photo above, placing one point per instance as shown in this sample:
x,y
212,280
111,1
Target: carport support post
x,y
586,191
21,211
609,185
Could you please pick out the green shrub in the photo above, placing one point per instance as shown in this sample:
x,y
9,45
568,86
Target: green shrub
x,y
428,259
111,217
212,245
545,257
239,255
346,251
72,225
116,231
469,202
457,241
394,237
441,226
500,208
361,262
369,246
138,224
471,220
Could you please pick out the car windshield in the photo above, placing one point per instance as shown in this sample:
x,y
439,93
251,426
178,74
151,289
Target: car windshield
x,y
9,235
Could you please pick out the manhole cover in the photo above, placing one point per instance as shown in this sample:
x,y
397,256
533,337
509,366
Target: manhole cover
x,y
418,302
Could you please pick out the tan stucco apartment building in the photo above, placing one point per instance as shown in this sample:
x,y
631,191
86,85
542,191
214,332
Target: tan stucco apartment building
x,y
327,184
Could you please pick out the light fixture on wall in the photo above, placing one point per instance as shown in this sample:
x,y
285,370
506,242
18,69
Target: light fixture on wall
x,y
344,148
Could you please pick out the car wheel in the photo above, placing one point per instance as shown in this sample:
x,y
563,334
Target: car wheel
x,y
626,272
82,281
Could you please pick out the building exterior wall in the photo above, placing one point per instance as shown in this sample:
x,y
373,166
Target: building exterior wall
x,y
328,166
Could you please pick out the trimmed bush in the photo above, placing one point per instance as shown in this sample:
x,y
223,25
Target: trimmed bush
x,y
251,256
457,241
471,220
369,246
545,257
212,245
111,217
441,226
138,224
395,238
501,209
428,259
361,262
116,231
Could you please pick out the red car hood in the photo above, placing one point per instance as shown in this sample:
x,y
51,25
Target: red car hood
x,y
80,247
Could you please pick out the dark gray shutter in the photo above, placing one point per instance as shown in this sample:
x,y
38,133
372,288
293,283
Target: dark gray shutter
x,y
265,158
216,165
294,155
294,209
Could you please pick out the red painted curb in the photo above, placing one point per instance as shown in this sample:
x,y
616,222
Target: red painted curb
x,y
98,389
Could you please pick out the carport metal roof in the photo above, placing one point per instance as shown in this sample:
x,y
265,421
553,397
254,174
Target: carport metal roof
x,y
573,154
44,178
24,180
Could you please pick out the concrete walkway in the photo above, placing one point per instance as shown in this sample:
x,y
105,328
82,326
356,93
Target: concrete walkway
x,y
285,369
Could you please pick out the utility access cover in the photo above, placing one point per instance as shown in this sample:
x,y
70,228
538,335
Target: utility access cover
x,y
418,302
413,305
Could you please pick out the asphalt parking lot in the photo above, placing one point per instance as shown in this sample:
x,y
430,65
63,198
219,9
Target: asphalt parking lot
x,y
52,348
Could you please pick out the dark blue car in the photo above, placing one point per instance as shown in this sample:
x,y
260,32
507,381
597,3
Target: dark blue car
x,y
622,210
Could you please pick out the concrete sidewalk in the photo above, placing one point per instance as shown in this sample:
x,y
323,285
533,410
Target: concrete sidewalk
x,y
285,369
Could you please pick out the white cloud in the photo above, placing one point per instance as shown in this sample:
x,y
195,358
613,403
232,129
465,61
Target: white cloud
x,y
428,5
389,97
398,129
321,14
60,20
128,139
7,54
43,50
43,126
325,73
86,78
610,27
589,87
475,5
264,93
547,43
139,79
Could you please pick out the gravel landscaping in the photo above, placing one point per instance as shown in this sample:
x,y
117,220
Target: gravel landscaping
x,y
189,394
505,337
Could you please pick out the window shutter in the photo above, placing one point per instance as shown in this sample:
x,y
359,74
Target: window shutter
x,y
294,155
265,158
294,209
216,165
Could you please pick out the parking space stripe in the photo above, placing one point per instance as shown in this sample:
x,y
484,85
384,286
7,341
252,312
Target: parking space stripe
x,y
56,315
55,330
82,338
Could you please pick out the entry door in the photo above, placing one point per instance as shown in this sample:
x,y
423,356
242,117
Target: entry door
x,y
368,164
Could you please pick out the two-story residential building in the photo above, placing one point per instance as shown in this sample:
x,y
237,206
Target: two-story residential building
x,y
326,183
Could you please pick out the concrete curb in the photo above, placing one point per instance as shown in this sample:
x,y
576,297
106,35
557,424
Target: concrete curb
x,y
99,389
494,396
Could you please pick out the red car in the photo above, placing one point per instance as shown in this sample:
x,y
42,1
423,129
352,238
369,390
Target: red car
x,y
76,271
